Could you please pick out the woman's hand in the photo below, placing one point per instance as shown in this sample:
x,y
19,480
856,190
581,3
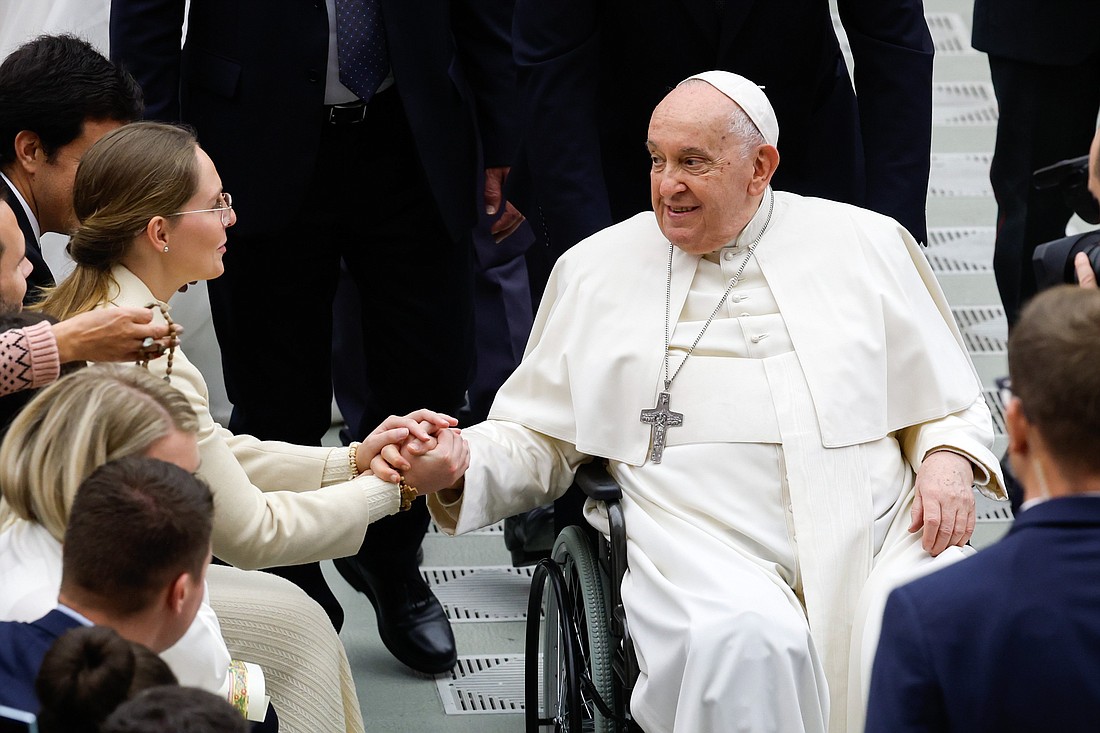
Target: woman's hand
x,y
113,334
419,426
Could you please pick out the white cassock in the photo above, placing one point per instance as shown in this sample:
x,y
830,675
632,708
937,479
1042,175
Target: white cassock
x,y
762,547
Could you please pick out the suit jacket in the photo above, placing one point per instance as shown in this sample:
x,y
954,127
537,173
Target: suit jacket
x,y
274,503
1008,640
591,72
251,79
40,276
1054,32
22,647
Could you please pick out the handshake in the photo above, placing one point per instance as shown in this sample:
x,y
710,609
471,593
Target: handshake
x,y
424,448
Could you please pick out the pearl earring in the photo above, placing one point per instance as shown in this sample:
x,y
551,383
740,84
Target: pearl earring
x,y
166,248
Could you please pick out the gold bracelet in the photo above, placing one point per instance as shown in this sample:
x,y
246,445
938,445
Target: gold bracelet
x,y
408,495
353,463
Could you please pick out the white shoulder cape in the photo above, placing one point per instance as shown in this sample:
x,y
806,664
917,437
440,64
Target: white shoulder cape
x,y
870,325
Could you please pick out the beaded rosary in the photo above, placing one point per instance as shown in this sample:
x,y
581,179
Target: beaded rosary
x,y
149,343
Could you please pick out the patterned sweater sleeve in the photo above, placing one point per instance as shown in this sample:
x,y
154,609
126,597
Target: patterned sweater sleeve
x,y
28,358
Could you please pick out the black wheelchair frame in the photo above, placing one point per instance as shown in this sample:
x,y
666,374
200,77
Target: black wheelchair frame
x,y
580,665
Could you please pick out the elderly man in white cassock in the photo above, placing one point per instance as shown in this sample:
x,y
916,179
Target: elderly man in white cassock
x,y
783,395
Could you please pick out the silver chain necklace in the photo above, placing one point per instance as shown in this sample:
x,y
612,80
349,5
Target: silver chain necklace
x,y
661,417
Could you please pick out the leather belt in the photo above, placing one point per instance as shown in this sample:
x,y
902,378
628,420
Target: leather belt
x,y
346,114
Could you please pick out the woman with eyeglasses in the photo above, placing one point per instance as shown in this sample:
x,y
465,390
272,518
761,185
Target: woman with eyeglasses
x,y
153,216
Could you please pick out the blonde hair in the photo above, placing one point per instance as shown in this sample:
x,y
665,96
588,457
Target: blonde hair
x,y
74,426
132,174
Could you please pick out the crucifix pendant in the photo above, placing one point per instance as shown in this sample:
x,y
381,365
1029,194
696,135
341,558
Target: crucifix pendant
x,y
661,418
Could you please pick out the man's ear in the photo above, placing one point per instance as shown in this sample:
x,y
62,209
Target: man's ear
x,y
29,153
763,168
1017,425
179,591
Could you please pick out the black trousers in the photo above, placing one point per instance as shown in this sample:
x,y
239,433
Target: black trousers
x,y
1047,114
369,205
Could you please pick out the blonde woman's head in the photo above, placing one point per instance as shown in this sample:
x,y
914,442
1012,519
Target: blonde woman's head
x,y
77,424
131,175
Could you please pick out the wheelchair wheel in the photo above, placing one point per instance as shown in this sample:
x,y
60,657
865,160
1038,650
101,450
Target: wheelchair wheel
x,y
574,644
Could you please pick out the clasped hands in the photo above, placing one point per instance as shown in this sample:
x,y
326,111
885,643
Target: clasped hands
x,y
424,447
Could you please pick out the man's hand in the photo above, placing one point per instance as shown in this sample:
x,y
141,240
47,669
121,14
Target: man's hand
x,y
1085,275
944,504
418,426
510,220
434,466
113,334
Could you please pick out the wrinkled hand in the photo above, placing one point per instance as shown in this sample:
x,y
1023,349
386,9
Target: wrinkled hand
x,y
944,505
1085,275
434,466
510,220
113,334
419,425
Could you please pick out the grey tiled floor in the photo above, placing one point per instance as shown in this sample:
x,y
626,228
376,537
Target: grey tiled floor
x,y
961,215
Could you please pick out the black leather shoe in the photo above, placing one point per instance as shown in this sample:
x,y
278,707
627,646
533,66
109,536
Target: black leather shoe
x,y
411,621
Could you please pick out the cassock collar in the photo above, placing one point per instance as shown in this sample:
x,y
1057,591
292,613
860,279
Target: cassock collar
x,y
26,207
756,223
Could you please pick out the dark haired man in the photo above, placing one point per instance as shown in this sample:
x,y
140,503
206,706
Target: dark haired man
x,y
178,709
58,95
135,556
1009,640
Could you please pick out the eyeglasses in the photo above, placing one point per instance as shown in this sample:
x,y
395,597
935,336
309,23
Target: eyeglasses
x,y
226,209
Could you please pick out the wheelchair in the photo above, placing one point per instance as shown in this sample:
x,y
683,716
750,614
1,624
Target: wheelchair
x,y
580,665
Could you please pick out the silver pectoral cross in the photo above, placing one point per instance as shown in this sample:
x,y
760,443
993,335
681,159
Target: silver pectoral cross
x,y
661,418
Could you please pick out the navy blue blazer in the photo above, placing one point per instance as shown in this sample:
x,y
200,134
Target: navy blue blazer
x,y
22,648
1007,640
41,276
591,72
251,80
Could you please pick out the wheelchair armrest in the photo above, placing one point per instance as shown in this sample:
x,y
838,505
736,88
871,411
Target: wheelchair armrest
x,y
597,483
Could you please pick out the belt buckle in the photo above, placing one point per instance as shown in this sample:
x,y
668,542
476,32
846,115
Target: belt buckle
x,y
337,116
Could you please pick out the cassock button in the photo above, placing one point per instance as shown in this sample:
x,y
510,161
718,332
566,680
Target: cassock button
x,y
727,255
736,298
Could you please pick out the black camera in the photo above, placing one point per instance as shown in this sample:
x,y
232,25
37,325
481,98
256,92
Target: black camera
x,y
1053,261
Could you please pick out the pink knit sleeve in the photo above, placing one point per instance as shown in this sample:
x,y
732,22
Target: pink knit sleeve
x,y
28,358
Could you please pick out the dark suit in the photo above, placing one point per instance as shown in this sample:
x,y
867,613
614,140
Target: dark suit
x,y
393,196
1044,59
22,648
591,72
40,276
1008,640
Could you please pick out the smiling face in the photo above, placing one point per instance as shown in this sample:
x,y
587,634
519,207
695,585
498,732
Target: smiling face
x,y
15,268
196,241
704,188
